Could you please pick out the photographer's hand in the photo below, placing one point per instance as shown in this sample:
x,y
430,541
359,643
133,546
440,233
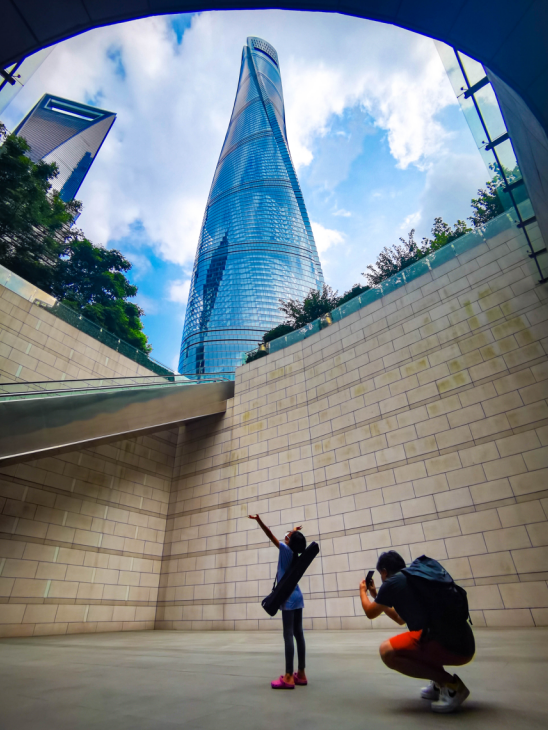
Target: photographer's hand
x,y
371,609
372,588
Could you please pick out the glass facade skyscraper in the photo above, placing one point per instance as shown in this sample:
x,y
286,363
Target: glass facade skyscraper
x,y
67,133
256,244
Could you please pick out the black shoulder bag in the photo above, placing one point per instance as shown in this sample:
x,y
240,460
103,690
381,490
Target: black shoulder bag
x,y
285,587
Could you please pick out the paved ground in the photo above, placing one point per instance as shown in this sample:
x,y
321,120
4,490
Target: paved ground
x,y
210,681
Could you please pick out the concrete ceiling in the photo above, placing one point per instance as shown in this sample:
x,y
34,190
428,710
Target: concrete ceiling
x,y
507,36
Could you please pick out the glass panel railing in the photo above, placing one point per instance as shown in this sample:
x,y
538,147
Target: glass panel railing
x,y
48,388
296,336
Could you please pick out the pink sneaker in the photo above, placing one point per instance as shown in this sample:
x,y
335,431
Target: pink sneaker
x,y
280,684
302,682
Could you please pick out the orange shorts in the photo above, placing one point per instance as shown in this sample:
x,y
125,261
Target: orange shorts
x,y
427,652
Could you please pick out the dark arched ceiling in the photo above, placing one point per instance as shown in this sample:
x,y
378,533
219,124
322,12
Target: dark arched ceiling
x,y
508,36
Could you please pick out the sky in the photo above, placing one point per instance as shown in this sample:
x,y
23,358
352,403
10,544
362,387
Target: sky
x,y
375,132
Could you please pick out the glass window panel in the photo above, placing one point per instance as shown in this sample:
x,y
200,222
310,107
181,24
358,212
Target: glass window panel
x,y
519,194
473,69
491,163
452,68
525,208
490,111
473,121
507,159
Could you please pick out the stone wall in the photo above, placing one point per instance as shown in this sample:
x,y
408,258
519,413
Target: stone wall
x,y
419,422
81,538
35,345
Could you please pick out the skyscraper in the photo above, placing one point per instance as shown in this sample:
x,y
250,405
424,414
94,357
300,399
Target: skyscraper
x,y
67,133
256,244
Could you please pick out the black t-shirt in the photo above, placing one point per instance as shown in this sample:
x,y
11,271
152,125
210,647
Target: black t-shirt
x,y
397,593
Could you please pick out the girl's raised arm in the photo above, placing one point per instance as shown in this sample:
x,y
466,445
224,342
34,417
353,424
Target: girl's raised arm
x,y
265,529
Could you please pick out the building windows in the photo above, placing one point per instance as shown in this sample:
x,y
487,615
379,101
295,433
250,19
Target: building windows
x,y
256,244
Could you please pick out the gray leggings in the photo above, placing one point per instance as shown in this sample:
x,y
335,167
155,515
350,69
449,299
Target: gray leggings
x,y
293,627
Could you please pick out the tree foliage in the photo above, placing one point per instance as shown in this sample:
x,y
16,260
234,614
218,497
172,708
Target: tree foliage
x,y
31,219
394,259
91,280
486,206
355,291
298,314
442,235
314,305
39,243
279,331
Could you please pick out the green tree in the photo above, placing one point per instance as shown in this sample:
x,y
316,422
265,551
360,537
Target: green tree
x,y
314,305
298,313
442,235
486,206
38,242
355,291
91,280
32,220
392,260
279,331
255,355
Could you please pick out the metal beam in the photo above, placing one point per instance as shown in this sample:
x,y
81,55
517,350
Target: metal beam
x,y
36,426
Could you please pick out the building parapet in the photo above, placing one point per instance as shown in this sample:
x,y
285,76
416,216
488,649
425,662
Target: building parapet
x,y
40,298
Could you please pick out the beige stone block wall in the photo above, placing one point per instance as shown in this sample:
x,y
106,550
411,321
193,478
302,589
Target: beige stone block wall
x,y
81,538
35,346
418,423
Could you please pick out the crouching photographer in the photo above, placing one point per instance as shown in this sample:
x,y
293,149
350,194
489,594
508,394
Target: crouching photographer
x,y
435,609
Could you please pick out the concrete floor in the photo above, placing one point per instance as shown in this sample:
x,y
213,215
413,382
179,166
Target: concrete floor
x,y
205,681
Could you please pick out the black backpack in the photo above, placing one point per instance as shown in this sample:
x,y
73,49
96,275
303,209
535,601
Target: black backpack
x,y
290,578
444,602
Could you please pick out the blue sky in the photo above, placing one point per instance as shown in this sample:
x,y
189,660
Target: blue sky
x,y
378,140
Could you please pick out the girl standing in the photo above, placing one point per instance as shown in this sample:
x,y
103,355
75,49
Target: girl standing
x,y
292,546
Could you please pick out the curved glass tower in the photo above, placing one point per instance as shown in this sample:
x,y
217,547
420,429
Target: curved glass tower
x,y
256,244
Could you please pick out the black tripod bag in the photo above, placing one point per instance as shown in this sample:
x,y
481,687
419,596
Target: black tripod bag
x,y
281,591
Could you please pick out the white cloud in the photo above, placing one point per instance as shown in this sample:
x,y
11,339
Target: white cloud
x,y
178,291
411,221
174,103
325,239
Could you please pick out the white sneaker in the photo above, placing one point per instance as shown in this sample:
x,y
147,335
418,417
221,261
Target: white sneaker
x,y
432,692
451,699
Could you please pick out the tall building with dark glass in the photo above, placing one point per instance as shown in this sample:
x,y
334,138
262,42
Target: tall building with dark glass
x,y
256,244
67,133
